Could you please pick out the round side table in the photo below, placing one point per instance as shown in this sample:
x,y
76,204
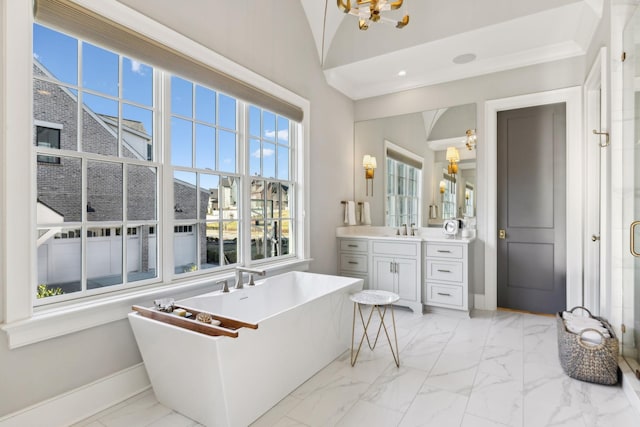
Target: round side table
x,y
375,299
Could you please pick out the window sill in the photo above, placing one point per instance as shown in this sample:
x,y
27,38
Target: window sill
x,y
47,324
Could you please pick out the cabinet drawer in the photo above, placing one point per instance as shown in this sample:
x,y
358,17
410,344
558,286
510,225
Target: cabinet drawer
x,y
449,271
353,245
444,294
393,248
443,250
353,262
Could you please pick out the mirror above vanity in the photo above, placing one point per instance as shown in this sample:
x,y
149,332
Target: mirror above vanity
x,y
426,166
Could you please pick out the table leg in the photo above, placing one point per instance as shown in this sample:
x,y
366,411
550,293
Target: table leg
x,y
365,335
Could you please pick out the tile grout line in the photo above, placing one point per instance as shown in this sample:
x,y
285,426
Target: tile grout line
x,y
484,346
428,372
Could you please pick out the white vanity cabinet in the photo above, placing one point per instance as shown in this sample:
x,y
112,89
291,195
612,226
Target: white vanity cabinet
x,y
446,275
396,268
354,259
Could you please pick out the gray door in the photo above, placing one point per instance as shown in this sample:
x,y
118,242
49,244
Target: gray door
x,y
531,209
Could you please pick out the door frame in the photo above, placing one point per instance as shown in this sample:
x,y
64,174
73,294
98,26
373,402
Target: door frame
x,y
596,297
572,96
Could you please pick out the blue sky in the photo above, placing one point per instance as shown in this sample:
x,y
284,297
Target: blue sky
x,y
215,149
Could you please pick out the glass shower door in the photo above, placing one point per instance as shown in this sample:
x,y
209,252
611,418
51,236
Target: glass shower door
x,y
631,195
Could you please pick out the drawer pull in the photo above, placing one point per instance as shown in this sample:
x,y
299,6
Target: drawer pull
x,y
353,246
444,271
442,251
353,262
444,294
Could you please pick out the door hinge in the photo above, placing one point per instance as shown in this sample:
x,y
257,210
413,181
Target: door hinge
x,y
623,57
623,328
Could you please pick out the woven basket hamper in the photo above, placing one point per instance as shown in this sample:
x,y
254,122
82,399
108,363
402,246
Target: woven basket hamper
x,y
592,363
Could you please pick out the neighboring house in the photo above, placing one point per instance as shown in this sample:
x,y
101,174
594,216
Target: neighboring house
x,y
60,194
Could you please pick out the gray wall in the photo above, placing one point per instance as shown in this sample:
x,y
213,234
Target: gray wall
x,y
273,39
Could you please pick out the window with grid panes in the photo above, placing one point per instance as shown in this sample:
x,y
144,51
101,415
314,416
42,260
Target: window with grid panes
x,y
95,174
272,185
403,194
98,204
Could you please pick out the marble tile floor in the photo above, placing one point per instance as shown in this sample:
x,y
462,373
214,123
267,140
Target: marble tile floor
x,y
496,369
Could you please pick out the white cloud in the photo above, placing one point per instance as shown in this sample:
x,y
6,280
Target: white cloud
x,y
266,153
35,55
137,67
282,134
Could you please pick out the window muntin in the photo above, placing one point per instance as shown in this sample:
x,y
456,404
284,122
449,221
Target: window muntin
x,y
403,194
104,178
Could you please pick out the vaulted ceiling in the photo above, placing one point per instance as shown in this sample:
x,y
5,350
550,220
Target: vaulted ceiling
x,y
500,34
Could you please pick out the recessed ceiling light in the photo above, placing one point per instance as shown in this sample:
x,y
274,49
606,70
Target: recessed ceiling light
x,y
402,73
464,58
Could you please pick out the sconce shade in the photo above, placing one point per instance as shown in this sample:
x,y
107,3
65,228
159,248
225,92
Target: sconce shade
x,y
442,186
452,154
369,162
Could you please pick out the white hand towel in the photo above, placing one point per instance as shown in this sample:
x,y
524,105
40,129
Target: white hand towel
x,y
350,213
366,213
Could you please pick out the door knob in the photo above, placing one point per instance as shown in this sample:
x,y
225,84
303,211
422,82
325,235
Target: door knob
x,y
502,234
594,238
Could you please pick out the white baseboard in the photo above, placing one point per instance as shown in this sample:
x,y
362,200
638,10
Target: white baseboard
x,y
83,402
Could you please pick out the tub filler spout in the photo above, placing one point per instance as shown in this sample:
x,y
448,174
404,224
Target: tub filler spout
x,y
251,271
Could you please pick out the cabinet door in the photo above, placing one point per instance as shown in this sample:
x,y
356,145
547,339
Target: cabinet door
x,y
407,279
384,273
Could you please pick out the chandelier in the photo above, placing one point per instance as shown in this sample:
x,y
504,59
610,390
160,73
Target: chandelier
x,y
371,11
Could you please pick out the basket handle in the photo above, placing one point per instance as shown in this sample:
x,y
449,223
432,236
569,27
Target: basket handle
x,y
582,308
591,347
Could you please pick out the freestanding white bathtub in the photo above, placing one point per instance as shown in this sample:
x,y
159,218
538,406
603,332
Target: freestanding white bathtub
x,y
304,322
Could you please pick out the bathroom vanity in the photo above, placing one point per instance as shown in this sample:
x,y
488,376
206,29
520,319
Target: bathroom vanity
x,y
428,271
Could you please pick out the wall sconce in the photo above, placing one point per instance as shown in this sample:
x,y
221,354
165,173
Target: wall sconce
x,y
467,194
369,164
471,139
453,157
443,186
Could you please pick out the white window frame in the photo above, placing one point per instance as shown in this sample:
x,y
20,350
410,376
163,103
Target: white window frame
x,y
18,256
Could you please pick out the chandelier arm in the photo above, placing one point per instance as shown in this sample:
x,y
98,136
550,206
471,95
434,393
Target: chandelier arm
x,y
345,7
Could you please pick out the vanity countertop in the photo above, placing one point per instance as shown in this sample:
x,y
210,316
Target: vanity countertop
x,y
389,233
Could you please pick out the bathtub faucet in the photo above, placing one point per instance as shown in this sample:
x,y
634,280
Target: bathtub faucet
x,y
251,271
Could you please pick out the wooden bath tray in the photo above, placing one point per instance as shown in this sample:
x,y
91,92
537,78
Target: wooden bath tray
x,y
227,328
226,322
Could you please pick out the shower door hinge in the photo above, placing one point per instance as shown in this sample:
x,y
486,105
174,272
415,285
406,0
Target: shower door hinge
x,y
623,56
623,328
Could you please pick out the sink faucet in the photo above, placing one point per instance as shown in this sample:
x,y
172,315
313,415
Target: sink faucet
x,y
251,271
413,229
